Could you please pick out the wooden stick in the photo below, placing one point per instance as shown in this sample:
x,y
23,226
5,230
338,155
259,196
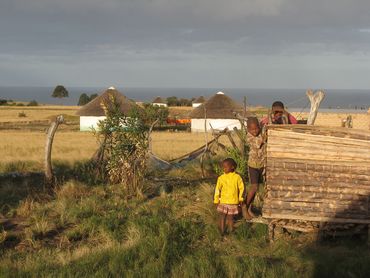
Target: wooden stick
x,y
313,218
315,99
319,189
49,177
231,140
345,139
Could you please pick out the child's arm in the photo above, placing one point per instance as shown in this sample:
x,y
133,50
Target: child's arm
x,y
241,189
216,199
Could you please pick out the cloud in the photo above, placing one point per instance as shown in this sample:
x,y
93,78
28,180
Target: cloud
x,y
175,33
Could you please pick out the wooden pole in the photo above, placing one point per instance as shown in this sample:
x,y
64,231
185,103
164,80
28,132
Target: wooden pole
x,y
315,99
49,143
150,143
206,139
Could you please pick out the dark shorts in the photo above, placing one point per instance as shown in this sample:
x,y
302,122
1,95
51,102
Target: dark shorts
x,y
255,175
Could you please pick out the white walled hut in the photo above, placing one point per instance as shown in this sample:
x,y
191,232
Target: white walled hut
x,y
198,102
93,112
158,101
220,114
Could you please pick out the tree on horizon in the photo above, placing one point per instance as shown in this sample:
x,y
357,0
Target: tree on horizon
x,y
60,92
84,99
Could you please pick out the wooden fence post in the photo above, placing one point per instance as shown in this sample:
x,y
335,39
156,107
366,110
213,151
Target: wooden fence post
x,y
49,143
315,99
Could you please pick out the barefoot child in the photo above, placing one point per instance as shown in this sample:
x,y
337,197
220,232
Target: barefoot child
x,y
255,161
228,195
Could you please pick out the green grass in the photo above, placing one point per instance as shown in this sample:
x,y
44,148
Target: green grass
x,y
95,231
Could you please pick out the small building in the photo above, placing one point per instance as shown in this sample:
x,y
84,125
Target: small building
x,y
218,112
198,102
315,176
93,112
158,101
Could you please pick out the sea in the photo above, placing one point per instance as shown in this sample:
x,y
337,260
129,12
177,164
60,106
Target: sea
x,y
357,101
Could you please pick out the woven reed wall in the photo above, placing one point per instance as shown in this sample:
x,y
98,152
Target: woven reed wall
x,y
317,174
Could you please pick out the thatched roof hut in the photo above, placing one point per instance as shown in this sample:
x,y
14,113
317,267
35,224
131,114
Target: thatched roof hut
x,y
93,112
94,107
221,113
219,106
159,102
317,174
199,101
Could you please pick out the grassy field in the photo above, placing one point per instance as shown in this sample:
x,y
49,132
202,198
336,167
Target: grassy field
x,y
84,229
25,149
94,231
34,113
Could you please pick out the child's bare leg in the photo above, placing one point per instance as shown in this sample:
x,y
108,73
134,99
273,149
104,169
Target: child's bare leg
x,y
230,223
221,223
250,198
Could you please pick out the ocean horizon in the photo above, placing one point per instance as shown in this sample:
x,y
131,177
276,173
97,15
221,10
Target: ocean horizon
x,y
348,99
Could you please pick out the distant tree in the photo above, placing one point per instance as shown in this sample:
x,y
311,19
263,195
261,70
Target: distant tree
x,y
154,112
172,101
60,92
33,103
84,99
184,102
92,96
3,102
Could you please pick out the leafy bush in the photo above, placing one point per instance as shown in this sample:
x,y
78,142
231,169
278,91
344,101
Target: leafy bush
x,y
125,142
242,162
153,112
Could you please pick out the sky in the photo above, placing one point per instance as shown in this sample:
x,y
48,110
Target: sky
x,y
186,43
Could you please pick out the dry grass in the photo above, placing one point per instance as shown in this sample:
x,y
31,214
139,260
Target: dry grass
x,y
72,146
29,146
34,113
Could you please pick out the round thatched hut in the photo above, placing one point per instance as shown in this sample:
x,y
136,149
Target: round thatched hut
x,y
158,101
93,112
220,113
198,102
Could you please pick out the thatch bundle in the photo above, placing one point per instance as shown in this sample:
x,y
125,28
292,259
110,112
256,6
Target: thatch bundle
x,y
94,107
317,174
219,106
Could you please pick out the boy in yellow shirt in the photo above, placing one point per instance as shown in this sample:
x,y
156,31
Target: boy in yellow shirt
x,y
228,195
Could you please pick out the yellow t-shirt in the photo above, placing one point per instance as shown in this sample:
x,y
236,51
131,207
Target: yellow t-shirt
x,y
229,189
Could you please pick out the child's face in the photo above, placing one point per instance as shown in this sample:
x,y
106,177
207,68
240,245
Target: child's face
x,y
228,167
278,111
254,129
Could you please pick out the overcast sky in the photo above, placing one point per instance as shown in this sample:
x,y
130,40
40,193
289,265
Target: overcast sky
x,y
186,43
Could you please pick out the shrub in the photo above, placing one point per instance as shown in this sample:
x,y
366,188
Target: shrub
x,y
241,161
33,103
125,142
22,114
